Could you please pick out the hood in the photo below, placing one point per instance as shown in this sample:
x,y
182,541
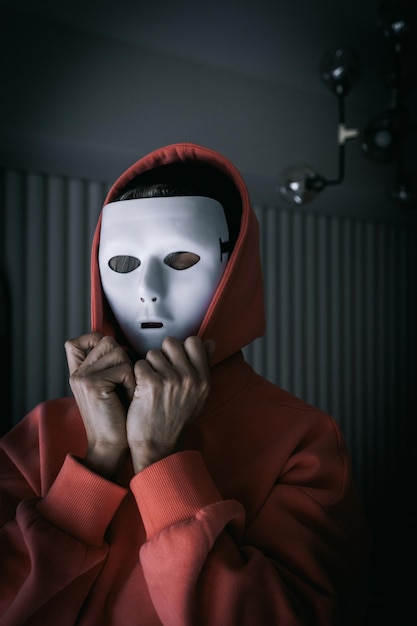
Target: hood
x,y
235,316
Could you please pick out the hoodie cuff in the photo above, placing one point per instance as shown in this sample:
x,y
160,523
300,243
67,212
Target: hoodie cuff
x,y
81,502
173,490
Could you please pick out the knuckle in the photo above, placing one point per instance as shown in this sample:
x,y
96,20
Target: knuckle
x,y
108,342
140,368
75,381
193,342
172,376
121,355
86,385
205,388
95,337
204,381
125,366
190,378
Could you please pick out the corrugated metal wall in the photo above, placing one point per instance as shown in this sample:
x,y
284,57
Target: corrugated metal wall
x,y
342,334
341,313
48,222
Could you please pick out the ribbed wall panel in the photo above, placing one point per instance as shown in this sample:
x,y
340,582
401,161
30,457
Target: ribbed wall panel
x,y
341,334
340,305
48,223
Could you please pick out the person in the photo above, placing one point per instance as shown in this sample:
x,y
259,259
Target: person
x,y
177,486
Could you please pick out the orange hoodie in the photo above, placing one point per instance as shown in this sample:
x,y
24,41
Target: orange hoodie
x,y
254,520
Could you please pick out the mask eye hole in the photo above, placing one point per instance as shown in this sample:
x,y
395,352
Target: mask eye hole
x,y
181,260
123,264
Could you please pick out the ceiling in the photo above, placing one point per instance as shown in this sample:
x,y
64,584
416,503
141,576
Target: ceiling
x,y
277,42
254,37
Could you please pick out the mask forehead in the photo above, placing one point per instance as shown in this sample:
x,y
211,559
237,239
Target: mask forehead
x,y
155,221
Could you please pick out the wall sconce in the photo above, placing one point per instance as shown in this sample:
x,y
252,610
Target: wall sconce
x,y
339,70
384,138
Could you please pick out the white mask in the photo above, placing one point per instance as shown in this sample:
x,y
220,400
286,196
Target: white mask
x,y
161,260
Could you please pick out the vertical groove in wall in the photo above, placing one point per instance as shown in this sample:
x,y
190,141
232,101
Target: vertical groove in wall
x,y
48,227
284,295
95,195
56,285
272,312
341,332
336,319
340,303
33,249
296,306
310,357
77,257
15,266
347,357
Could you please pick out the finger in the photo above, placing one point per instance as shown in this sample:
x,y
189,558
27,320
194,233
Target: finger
x,y
158,360
175,354
110,361
103,382
77,349
92,354
198,355
210,347
121,374
144,373
175,350
192,352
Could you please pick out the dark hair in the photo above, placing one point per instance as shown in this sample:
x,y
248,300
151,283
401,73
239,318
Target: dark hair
x,y
189,179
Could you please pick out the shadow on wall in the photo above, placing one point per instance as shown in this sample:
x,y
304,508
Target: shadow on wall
x,y
391,585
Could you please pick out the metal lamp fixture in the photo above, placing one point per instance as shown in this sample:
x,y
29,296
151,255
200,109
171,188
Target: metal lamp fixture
x,y
339,69
384,138
381,138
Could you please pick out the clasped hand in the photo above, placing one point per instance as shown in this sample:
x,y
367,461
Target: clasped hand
x,y
142,407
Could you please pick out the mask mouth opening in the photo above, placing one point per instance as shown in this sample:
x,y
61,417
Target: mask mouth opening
x,y
151,325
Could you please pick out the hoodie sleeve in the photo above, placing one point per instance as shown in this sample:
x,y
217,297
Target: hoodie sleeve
x,y
295,563
52,548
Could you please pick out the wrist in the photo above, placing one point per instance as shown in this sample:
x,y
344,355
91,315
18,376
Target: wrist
x,y
104,459
145,454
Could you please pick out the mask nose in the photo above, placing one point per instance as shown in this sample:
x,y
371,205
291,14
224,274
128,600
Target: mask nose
x,y
151,285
